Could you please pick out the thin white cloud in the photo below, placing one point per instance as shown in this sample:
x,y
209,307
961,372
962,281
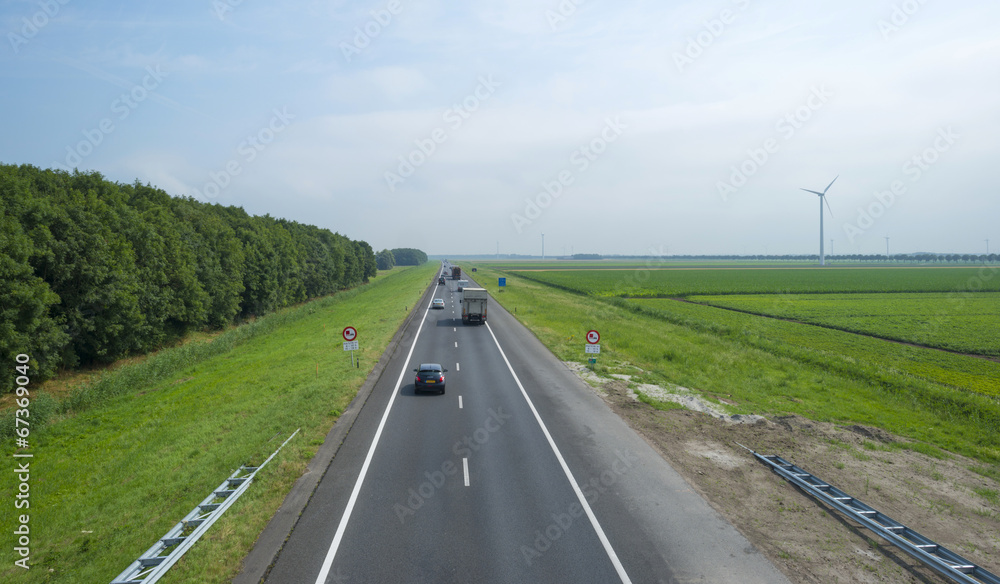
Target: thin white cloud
x,y
891,92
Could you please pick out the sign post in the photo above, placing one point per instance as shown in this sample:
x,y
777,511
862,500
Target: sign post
x,y
350,341
592,347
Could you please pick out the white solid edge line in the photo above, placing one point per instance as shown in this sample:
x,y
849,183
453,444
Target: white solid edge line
x,y
465,465
335,544
569,475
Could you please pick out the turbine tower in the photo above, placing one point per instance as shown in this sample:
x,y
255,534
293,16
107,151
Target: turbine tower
x,y
822,197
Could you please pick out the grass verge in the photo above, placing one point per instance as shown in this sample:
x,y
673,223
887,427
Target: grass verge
x,y
762,372
113,472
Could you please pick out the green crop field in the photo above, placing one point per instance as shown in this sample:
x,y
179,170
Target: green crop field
x,y
956,309
509,265
656,282
771,366
967,323
856,351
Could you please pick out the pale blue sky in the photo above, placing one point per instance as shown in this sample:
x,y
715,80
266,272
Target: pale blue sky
x,y
646,111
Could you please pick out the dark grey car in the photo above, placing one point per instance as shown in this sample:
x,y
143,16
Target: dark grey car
x,y
430,376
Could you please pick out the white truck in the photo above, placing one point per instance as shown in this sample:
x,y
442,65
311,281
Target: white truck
x,y
474,305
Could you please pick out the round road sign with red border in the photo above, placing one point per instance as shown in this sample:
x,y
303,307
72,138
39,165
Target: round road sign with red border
x,y
350,333
593,337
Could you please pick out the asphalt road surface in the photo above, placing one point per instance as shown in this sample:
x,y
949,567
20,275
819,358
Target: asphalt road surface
x,y
518,473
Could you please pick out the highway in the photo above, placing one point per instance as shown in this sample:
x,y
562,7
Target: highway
x,y
518,473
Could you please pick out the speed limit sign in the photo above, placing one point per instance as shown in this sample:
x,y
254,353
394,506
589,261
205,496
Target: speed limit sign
x,y
350,333
593,337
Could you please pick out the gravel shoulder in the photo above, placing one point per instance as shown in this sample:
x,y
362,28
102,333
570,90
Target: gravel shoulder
x,y
939,497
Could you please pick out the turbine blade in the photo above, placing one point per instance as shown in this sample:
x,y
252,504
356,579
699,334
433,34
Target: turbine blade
x,y
828,205
813,192
831,184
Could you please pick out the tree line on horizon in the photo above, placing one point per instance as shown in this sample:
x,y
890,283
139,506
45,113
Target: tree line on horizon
x,y
92,271
404,256
903,257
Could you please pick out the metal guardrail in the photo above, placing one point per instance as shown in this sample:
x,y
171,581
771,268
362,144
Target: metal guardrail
x,y
155,562
937,557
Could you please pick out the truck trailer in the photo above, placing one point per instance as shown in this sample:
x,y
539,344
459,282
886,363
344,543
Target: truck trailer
x,y
474,305
456,272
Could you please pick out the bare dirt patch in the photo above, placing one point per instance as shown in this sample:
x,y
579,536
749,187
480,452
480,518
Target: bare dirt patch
x,y
801,536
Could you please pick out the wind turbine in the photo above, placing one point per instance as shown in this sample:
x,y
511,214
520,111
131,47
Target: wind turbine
x,y
822,197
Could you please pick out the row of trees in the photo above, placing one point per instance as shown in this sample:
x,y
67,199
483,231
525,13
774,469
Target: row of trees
x,y
406,256
92,271
949,257
390,258
915,257
385,260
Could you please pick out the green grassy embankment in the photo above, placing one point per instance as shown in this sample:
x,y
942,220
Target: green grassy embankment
x,y
763,366
109,480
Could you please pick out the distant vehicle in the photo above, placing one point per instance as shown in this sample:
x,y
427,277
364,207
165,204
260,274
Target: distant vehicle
x,y
456,272
474,305
441,281
437,303
429,376
462,284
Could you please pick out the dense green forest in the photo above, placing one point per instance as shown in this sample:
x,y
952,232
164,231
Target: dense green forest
x,y
404,256
92,271
409,257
